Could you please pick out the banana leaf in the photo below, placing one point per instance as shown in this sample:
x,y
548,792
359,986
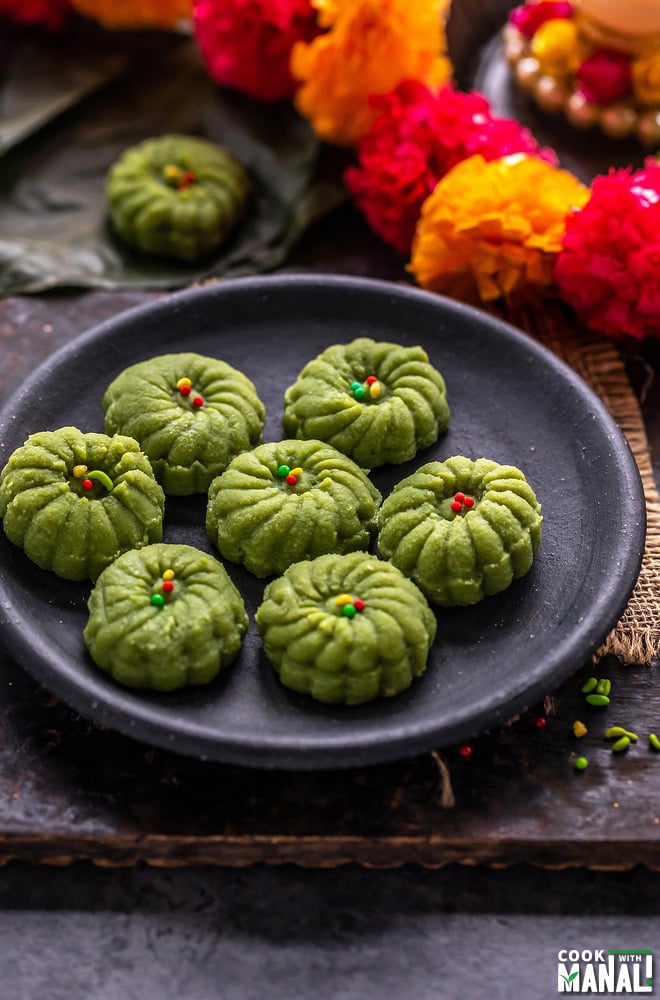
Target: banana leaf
x,y
59,145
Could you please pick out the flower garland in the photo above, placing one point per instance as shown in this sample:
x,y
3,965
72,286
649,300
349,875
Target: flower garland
x,y
474,202
480,210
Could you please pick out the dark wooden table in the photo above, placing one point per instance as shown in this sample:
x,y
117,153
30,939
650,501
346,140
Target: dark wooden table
x,y
70,790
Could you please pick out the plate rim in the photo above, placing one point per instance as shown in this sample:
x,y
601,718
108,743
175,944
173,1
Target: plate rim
x,y
277,753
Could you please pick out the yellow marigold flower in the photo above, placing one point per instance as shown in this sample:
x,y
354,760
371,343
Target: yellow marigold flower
x,y
556,45
135,13
490,227
646,77
369,48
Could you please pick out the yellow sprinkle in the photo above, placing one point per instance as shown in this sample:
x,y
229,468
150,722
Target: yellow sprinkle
x,y
579,728
296,472
79,471
183,381
171,172
374,390
343,599
168,574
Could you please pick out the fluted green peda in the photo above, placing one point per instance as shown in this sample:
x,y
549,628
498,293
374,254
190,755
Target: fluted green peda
x,y
163,617
346,628
176,196
191,415
76,501
461,529
287,501
377,402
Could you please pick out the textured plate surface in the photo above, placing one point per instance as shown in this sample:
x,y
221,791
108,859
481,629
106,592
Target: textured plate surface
x,y
511,401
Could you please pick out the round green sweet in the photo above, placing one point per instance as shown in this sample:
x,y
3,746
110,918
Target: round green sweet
x,y
258,518
188,443
461,554
176,196
319,649
332,401
76,501
163,617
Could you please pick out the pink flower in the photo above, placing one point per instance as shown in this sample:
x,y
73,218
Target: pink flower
x,y
609,267
605,76
529,18
246,44
51,13
417,138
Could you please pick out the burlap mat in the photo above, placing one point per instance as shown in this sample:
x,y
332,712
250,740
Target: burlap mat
x,y
636,637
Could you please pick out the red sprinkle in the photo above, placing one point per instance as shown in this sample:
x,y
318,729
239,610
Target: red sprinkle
x,y
198,401
541,722
469,501
456,505
185,390
291,480
460,497
168,586
358,604
465,750
87,484
371,379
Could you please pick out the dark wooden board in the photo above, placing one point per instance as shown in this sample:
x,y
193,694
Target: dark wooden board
x,y
70,790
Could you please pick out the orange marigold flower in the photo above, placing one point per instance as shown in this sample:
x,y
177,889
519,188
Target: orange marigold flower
x,y
368,49
135,13
490,227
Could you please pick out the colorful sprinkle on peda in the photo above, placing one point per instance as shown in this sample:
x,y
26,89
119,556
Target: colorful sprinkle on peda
x,y
283,471
541,722
291,479
581,763
198,402
374,390
621,744
465,750
100,477
168,574
157,600
348,610
579,729
589,685
359,605
79,471
604,686
654,742
168,586
87,484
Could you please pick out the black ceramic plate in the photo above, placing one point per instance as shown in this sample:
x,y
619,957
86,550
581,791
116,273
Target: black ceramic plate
x,y
511,401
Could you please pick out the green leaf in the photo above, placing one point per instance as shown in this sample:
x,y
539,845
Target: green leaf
x,y
53,224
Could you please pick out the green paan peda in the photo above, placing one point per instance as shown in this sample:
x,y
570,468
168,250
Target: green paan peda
x,y
176,196
346,628
191,415
288,501
163,617
75,501
376,402
461,529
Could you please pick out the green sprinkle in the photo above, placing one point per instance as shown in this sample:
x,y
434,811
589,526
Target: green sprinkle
x,y
360,392
604,686
654,741
283,471
621,744
589,685
158,600
356,385
348,610
102,478
597,699
620,731
581,763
